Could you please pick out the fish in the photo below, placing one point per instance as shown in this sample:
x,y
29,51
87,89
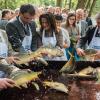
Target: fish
x,y
22,77
89,55
57,86
51,51
98,75
86,71
41,60
8,69
26,57
69,66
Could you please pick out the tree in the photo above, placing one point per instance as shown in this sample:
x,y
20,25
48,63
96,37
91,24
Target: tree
x,y
92,6
81,4
59,3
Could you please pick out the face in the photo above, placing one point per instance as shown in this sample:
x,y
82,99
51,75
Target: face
x,y
26,18
80,15
8,15
71,20
98,22
58,23
45,24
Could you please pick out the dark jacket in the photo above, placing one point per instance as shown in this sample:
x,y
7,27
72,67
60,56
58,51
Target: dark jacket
x,y
87,38
89,21
16,34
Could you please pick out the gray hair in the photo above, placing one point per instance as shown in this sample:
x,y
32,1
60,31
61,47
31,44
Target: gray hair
x,y
97,16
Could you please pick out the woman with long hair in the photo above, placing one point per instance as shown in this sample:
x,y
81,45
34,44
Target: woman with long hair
x,y
74,34
50,36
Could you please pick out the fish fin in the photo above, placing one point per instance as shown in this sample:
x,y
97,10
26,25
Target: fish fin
x,y
36,85
24,85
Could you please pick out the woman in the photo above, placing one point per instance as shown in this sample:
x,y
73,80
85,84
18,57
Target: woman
x,y
50,36
66,39
73,31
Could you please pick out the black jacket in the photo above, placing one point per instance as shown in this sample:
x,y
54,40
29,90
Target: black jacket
x,y
16,34
87,38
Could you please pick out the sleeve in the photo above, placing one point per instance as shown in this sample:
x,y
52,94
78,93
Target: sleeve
x,y
66,37
83,40
13,36
59,38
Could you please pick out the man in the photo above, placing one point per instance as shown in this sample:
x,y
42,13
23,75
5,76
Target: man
x,y
92,37
21,31
6,14
82,24
87,18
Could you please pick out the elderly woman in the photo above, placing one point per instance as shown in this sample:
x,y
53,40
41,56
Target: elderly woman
x,y
50,36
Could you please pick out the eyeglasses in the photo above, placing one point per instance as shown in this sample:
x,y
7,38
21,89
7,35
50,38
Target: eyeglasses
x,y
71,19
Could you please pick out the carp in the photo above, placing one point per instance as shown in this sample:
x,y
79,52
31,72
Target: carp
x,y
8,69
86,71
51,51
89,55
39,53
22,77
25,57
56,85
69,66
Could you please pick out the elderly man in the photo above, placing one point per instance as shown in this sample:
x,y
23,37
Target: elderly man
x,y
80,22
21,31
92,37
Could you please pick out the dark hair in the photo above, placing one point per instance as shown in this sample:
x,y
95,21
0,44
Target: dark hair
x,y
58,17
27,8
51,21
70,15
4,12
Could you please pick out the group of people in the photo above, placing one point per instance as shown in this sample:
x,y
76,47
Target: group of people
x,y
19,33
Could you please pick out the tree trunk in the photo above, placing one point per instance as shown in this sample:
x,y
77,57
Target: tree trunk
x,y
87,4
59,3
70,1
5,3
65,3
81,4
92,6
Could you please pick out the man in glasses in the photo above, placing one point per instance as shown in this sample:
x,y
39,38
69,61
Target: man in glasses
x,y
21,31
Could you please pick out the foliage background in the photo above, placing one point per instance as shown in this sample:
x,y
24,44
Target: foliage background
x,y
13,4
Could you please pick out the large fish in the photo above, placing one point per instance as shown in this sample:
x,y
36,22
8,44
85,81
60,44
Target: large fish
x,y
22,77
51,51
25,58
56,85
69,66
89,55
8,69
98,75
86,71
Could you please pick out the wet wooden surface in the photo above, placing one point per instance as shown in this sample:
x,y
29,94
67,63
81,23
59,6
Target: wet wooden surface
x,y
79,89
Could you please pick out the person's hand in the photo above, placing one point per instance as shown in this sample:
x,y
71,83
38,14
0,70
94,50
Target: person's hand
x,y
12,59
5,83
80,52
78,37
65,45
97,55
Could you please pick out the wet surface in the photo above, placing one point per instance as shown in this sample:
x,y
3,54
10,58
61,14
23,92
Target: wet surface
x,y
79,89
